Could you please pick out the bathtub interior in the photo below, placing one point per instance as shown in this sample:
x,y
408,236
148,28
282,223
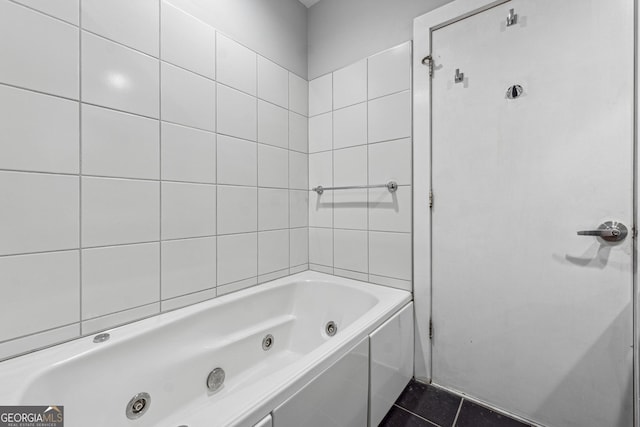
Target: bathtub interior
x,y
170,360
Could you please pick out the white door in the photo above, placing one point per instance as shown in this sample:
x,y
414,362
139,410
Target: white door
x,y
529,316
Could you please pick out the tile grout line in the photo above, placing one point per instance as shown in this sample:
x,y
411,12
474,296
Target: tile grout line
x,y
44,331
333,180
40,12
366,78
455,420
215,126
288,178
415,415
80,168
308,180
161,185
397,92
257,180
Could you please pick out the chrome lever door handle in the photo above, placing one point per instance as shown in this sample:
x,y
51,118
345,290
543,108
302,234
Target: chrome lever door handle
x,y
600,233
611,231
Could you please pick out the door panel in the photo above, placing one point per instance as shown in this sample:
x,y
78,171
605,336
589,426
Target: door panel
x,y
527,315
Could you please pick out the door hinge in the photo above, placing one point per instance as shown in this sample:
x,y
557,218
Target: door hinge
x,y
430,329
430,199
428,61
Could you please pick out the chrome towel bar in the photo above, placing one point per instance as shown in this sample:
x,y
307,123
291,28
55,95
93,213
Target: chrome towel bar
x,y
392,186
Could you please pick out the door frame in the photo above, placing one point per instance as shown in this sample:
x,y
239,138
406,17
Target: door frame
x,y
423,26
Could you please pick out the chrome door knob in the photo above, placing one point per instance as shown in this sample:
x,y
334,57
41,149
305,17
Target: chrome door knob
x,y
610,231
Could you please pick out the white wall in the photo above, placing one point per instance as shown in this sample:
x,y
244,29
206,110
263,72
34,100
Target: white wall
x,y
360,134
276,29
147,162
343,31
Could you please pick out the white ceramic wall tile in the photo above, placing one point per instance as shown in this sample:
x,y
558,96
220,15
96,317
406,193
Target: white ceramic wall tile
x,y
187,42
237,209
321,209
321,246
237,114
236,286
39,212
390,255
273,124
390,117
321,133
298,171
132,23
405,285
188,266
273,276
187,98
298,132
38,52
188,154
125,150
321,268
298,95
190,299
390,161
350,209
236,65
273,167
273,82
273,209
188,210
273,251
390,71
350,166
351,274
298,208
118,77
40,132
299,268
118,211
110,273
350,250
237,257
320,95
350,85
67,10
120,318
390,211
35,284
350,126
237,161
39,340
321,169
119,144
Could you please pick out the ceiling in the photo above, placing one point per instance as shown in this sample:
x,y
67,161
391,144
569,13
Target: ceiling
x,y
309,3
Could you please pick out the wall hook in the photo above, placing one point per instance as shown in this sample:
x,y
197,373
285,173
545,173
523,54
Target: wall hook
x,y
512,18
459,77
514,91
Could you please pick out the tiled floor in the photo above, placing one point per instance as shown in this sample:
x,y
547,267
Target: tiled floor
x,y
422,405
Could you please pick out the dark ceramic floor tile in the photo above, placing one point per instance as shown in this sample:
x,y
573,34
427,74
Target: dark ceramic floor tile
x,y
429,402
473,415
397,417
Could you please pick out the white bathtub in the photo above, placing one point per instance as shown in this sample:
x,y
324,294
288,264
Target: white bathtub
x,y
170,356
